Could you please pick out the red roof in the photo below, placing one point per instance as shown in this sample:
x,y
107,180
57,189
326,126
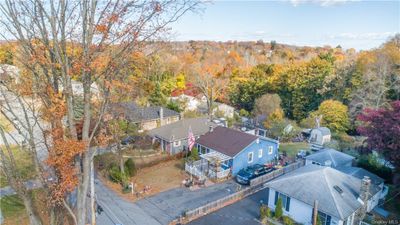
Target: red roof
x,y
190,90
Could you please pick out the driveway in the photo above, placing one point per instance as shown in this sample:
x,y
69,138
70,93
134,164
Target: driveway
x,y
119,211
243,212
159,209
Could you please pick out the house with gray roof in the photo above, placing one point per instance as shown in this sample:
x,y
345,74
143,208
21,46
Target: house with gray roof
x,y
174,136
330,157
146,118
342,199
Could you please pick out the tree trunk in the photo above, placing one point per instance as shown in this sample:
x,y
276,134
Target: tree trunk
x,y
81,203
34,219
121,158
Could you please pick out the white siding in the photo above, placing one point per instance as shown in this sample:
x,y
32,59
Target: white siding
x,y
298,211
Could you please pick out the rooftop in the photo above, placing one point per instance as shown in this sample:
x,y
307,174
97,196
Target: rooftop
x,y
336,192
180,129
226,140
135,113
330,155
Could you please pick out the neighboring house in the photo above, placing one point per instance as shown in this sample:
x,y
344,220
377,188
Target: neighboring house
x,y
219,109
330,157
191,103
146,118
254,126
224,109
320,135
342,199
173,137
227,151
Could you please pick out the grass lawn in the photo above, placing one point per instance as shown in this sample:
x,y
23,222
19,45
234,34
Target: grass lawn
x,y
13,209
291,148
24,166
160,177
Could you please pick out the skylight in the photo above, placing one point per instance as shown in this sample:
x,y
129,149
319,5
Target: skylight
x,y
338,189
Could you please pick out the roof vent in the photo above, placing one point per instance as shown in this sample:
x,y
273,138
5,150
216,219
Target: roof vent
x,y
338,189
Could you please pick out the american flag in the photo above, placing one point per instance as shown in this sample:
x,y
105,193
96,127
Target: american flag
x,y
191,139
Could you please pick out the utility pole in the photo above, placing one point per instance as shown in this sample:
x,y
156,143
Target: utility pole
x,y
315,213
93,207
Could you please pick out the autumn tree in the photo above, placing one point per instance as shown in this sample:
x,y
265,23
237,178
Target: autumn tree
x,y
334,116
300,86
90,41
380,77
211,80
381,127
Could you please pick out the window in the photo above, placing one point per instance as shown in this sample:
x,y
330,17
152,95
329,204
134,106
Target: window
x,y
285,200
324,218
261,133
177,143
270,150
250,157
202,150
260,153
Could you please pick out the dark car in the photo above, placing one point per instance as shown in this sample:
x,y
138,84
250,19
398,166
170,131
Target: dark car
x,y
128,140
247,174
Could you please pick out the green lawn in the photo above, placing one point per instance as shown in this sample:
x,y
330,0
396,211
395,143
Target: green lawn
x,y
24,165
12,206
291,148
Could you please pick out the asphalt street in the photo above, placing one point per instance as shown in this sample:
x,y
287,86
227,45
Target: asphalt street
x,y
243,212
158,209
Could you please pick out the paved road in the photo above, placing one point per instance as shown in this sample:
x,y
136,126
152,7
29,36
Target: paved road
x,y
30,184
169,205
118,210
243,212
156,210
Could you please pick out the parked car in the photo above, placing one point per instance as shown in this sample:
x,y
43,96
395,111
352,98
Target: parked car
x,y
128,140
247,174
301,154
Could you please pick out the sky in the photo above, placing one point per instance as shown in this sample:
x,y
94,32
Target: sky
x,y
350,23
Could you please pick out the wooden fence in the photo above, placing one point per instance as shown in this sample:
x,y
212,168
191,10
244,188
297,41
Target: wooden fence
x,y
276,173
255,186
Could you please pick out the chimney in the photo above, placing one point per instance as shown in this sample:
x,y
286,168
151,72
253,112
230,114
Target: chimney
x,y
211,128
364,190
363,199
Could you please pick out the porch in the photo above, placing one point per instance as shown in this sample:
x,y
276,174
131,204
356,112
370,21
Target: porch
x,y
213,165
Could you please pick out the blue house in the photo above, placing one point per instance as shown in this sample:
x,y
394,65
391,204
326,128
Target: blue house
x,y
225,151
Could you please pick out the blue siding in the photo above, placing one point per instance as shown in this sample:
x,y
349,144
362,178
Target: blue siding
x,y
241,159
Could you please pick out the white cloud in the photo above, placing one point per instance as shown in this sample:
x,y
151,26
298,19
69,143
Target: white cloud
x,y
323,3
363,36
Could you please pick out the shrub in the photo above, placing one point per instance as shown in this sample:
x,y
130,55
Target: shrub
x,y
279,209
116,175
287,220
194,154
371,164
130,168
265,212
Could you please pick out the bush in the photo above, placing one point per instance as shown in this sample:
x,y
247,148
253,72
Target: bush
x,y
194,154
287,220
130,168
116,175
371,164
265,212
279,209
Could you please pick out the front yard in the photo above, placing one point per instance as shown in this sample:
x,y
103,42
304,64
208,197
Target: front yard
x,y
151,180
292,148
